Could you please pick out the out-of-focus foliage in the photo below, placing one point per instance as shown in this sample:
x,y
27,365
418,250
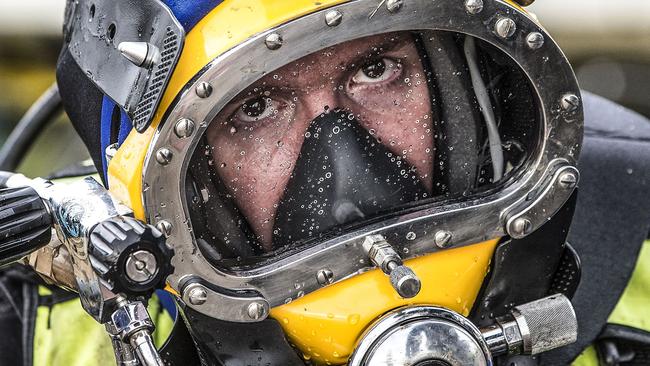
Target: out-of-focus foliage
x,y
26,71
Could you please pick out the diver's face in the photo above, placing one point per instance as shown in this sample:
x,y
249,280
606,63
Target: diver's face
x,y
257,137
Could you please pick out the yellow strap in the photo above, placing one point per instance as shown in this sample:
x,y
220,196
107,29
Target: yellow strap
x,y
633,308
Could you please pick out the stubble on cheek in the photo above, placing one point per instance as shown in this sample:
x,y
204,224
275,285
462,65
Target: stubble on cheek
x,y
401,117
407,133
255,173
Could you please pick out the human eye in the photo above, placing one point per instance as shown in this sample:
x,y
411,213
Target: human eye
x,y
256,109
376,71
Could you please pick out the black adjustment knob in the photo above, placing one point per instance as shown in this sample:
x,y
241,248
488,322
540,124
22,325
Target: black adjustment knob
x,y
129,256
25,223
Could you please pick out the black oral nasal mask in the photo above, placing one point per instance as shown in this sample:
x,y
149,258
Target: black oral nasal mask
x,y
343,174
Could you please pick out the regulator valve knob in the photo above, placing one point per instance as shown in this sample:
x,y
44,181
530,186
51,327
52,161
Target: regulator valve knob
x,y
533,328
383,256
129,256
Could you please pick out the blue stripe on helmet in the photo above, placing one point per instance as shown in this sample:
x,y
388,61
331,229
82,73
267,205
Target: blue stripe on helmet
x,y
108,106
189,12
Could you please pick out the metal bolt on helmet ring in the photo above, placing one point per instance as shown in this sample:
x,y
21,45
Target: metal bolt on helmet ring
x,y
468,222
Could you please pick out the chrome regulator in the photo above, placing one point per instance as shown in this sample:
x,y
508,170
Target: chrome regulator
x,y
427,335
112,260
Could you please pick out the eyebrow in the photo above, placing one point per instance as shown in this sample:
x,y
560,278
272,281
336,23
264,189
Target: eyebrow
x,y
267,82
385,46
370,50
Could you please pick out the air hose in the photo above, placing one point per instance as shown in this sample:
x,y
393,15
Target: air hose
x,y
39,115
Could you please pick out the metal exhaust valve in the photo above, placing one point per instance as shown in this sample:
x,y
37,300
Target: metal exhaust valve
x,y
114,261
383,256
436,336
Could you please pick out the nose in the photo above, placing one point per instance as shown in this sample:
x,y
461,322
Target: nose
x,y
316,101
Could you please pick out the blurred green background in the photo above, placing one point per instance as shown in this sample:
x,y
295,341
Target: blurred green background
x,y
607,41
27,64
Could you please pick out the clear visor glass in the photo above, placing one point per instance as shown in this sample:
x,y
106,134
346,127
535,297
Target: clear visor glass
x,y
355,133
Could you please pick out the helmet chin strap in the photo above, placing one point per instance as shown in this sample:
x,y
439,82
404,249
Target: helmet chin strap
x,y
343,174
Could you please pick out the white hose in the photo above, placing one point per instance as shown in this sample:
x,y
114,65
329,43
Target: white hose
x,y
486,108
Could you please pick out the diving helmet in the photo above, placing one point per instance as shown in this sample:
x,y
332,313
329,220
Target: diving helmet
x,y
354,182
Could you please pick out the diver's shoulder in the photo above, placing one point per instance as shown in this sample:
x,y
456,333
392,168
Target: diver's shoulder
x,y
607,119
